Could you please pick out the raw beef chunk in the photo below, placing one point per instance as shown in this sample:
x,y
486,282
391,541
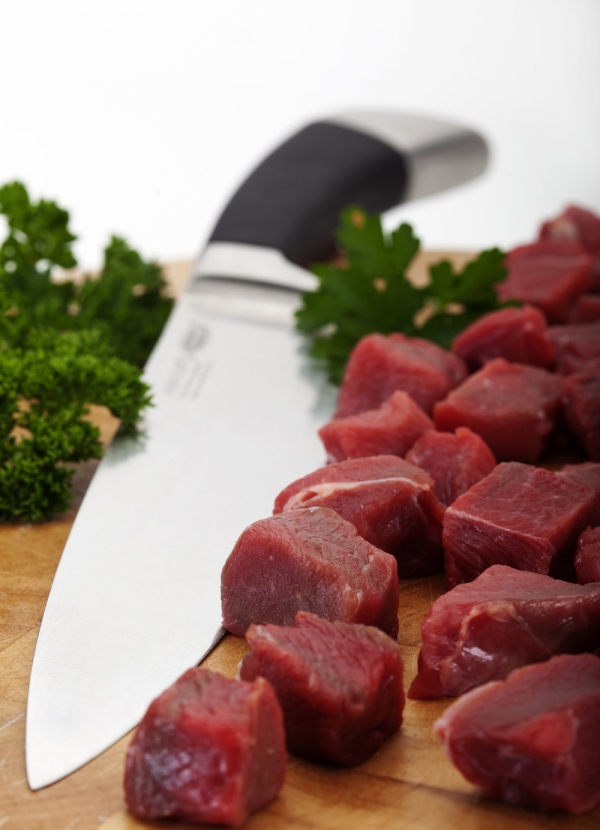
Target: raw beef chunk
x,y
587,558
522,516
548,274
575,224
582,406
340,686
588,473
505,619
519,335
512,407
585,309
379,365
532,740
455,461
575,345
209,749
391,429
391,503
308,560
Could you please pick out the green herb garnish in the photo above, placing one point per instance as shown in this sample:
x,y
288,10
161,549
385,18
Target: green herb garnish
x,y
64,345
371,293
125,301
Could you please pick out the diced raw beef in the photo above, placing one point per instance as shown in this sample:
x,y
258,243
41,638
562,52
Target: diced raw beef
x,y
576,224
548,274
506,618
588,473
575,345
585,309
209,749
391,429
532,740
379,365
525,517
519,335
308,560
582,406
340,686
455,461
587,558
391,503
511,406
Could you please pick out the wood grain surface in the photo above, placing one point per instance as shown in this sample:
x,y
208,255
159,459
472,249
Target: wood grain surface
x,y
408,783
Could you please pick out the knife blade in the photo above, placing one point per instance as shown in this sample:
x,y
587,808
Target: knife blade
x,y
136,600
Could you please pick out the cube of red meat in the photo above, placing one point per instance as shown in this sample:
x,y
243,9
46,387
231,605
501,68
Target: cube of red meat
x,y
379,365
587,473
575,345
532,740
391,429
506,618
522,516
587,557
548,274
391,503
585,309
209,749
519,335
455,461
576,224
513,407
340,686
308,560
582,406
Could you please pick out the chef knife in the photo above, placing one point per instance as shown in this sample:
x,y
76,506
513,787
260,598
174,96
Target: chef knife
x,y
135,600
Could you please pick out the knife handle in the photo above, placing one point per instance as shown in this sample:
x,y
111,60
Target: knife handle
x,y
291,202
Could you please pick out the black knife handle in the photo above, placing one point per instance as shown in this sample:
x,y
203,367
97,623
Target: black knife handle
x,y
292,200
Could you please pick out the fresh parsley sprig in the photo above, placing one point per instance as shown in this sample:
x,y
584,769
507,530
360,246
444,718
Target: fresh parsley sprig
x,y
64,345
370,292
45,390
125,301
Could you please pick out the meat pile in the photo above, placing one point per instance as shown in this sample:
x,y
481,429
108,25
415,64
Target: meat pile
x,y
431,456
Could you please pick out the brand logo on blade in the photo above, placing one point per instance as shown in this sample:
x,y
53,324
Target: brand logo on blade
x,y
195,337
187,378
187,374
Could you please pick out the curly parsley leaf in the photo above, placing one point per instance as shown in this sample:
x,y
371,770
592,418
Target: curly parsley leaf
x,y
38,241
64,345
125,301
370,292
45,390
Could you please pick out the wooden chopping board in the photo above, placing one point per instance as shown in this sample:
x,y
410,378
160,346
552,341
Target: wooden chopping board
x,y
408,783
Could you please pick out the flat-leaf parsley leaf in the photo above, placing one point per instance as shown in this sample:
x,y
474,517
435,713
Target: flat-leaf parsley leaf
x,y
370,292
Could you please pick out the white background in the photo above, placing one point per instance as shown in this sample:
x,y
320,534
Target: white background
x,y
142,116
